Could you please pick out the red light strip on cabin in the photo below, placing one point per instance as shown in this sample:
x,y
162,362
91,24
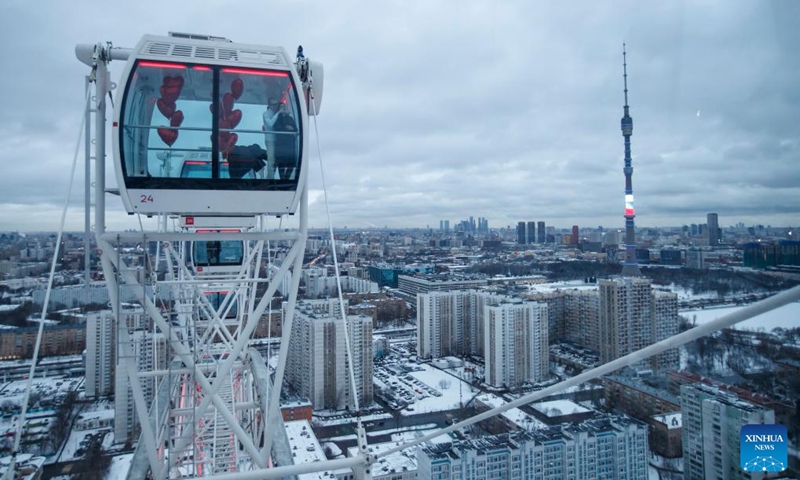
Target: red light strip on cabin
x,y
255,72
204,69
162,65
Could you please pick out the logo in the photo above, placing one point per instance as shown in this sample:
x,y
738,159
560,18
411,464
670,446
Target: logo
x,y
762,448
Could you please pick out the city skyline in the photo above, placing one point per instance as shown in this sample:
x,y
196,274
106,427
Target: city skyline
x,y
412,132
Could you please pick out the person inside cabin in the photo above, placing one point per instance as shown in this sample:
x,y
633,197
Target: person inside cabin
x,y
270,118
212,251
285,143
247,162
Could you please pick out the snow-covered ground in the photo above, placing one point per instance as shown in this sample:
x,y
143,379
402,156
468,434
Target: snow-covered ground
x,y
79,439
46,387
119,467
452,395
787,316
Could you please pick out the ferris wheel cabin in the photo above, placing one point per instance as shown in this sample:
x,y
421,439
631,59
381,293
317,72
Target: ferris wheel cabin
x,y
217,256
211,127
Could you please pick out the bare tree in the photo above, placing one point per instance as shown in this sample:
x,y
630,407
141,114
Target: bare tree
x,y
97,460
63,422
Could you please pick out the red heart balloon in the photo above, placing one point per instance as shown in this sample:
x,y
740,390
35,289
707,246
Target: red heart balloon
x,y
166,109
234,118
227,141
177,119
227,103
224,123
167,135
237,87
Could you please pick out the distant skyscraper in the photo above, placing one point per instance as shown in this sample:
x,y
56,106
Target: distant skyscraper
x,y
630,268
531,233
447,226
574,240
542,233
521,233
714,236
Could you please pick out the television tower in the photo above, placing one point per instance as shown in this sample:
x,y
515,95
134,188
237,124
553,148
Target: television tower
x,y
630,268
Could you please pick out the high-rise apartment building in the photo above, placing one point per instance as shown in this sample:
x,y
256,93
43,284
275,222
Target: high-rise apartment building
x,y
582,318
101,354
712,422
556,312
516,351
440,324
608,448
625,316
575,237
542,234
451,322
317,367
632,317
151,354
665,325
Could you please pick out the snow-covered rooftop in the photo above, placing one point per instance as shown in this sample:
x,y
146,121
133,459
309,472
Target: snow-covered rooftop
x,y
515,415
397,462
558,408
305,448
671,420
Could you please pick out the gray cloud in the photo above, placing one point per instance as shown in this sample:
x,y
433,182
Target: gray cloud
x,y
445,109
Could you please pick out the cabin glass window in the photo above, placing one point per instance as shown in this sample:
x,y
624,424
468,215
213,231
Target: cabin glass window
x,y
214,253
167,121
209,127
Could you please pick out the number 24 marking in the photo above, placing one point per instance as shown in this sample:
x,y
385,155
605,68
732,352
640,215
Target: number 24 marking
x,y
146,199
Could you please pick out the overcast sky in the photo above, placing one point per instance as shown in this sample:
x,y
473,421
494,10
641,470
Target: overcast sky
x,y
443,109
